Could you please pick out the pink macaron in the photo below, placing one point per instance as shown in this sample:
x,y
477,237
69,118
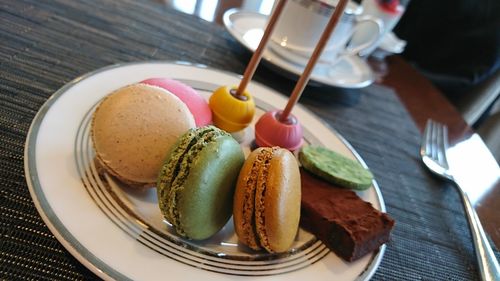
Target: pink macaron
x,y
194,101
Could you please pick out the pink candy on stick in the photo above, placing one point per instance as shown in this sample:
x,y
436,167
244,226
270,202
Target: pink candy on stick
x,y
281,128
233,107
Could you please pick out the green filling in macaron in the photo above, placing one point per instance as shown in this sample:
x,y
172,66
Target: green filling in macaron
x,y
335,168
197,178
176,169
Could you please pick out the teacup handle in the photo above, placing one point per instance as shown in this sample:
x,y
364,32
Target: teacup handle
x,y
358,50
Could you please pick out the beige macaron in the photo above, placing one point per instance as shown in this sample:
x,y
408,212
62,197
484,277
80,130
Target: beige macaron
x,y
266,207
134,127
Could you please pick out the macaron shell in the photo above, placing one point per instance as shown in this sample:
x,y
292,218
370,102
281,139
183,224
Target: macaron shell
x,y
244,202
133,129
167,176
281,202
205,203
194,101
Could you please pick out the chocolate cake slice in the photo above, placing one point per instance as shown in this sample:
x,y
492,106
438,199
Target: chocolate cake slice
x,y
347,225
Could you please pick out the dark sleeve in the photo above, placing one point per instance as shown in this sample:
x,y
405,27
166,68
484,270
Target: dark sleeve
x,y
456,42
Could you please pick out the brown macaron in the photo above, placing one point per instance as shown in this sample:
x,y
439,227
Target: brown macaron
x,y
133,129
266,206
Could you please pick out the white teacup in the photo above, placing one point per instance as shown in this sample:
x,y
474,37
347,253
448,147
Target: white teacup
x,y
302,22
389,18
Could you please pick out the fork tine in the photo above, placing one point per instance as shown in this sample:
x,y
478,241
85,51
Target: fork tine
x,y
425,145
444,145
433,149
440,136
434,140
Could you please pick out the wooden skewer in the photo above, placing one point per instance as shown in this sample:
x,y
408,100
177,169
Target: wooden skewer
x,y
304,78
257,55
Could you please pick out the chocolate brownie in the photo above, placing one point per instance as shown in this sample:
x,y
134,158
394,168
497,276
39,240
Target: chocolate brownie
x,y
347,225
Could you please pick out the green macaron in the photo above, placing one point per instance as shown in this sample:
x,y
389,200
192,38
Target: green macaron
x,y
335,168
196,184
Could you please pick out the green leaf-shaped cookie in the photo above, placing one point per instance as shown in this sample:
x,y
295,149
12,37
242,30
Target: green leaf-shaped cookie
x,y
335,168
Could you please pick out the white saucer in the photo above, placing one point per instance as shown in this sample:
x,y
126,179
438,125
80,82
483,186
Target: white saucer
x,y
389,45
392,44
348,72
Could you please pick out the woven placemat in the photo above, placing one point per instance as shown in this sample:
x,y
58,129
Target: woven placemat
x,y
45,44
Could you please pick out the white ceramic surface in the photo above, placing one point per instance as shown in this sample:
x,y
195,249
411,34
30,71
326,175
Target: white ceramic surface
x,y
389,20
389,45
302,23
119,233
346,72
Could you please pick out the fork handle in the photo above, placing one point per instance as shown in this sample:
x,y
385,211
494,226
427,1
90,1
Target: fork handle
x,y
488,264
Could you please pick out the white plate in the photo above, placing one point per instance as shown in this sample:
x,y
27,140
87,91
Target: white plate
x,y
120,234
248,27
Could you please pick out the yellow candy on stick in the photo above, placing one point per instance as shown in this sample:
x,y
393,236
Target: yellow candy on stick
x,y
233,108
231,113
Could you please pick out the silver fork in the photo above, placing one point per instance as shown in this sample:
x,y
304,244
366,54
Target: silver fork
x,y
433,153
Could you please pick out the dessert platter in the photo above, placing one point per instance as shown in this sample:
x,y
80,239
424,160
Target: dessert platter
x,y
347,72
129,224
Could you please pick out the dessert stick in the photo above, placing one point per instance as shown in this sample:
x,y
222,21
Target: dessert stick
x,y
257,55
304,78
233,108
280,128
